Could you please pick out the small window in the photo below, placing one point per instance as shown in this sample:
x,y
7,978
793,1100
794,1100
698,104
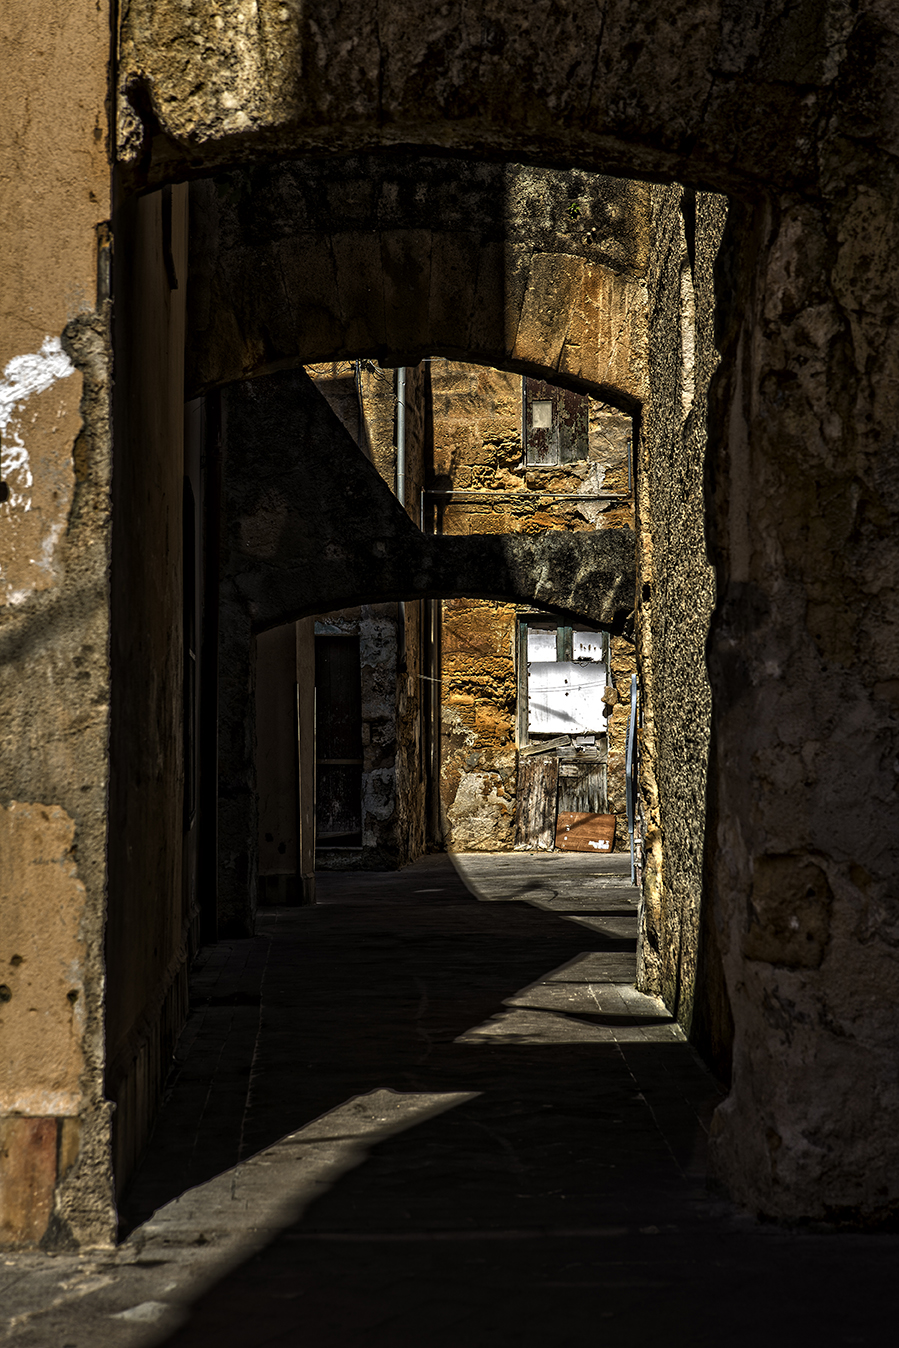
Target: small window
x,y
556,424
541,644
541,414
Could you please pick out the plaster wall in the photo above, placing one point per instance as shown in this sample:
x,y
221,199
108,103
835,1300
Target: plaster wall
x,y
55,463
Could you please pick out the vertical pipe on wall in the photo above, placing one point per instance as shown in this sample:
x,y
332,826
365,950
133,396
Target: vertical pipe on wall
x,y
401,495
401,435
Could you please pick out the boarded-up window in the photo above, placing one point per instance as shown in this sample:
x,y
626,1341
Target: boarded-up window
x,y
565,698
556,424
566,675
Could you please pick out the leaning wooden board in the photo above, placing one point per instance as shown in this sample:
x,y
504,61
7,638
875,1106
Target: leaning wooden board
x,y
585,832
538,789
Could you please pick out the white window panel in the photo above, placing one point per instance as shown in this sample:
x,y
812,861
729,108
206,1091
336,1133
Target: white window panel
x,y
587,645
565,698
542,415
541,644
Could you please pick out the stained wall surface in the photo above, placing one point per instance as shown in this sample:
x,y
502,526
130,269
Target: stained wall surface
x,y
401,256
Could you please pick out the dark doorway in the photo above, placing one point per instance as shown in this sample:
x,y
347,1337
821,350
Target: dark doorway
x,y
338,750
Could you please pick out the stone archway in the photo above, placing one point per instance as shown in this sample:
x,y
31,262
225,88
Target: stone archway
x,y
713,98
403,256
800,500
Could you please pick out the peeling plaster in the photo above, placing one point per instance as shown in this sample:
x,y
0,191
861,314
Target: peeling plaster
x,y
23,377
37,433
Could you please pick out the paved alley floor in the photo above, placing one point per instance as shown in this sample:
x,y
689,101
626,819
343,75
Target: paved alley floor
x,y
431,1111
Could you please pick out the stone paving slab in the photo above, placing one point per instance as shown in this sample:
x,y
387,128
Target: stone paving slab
x,y
433,1111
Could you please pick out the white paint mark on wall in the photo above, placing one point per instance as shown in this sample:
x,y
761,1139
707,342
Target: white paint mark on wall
x,y
24,377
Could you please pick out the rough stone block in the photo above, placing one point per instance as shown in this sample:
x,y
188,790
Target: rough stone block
x,y
789,914
357,257
553,284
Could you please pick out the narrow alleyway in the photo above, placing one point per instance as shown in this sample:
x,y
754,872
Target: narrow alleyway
x,y
432,1111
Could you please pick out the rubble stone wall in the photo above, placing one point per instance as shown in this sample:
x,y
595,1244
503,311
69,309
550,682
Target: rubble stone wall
x,y
480,484
676,593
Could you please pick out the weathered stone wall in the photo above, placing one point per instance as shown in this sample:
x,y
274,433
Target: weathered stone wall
x,y
478,760
55,469
403,256
676,593
479,483
735,95
365,398
804,835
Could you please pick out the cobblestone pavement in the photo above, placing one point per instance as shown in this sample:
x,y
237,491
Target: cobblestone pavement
x,y
431,1111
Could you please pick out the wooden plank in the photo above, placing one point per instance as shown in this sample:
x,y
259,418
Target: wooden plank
x,y
543,746
576,832
535,810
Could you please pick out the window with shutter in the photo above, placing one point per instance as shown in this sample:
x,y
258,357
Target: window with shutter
x,y
556,424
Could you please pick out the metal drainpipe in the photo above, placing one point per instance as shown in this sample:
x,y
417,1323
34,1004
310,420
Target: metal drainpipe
x,y
401,490
630,775
401,435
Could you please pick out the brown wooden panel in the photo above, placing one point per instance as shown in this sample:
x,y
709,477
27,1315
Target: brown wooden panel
x,y
585,832
535,812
